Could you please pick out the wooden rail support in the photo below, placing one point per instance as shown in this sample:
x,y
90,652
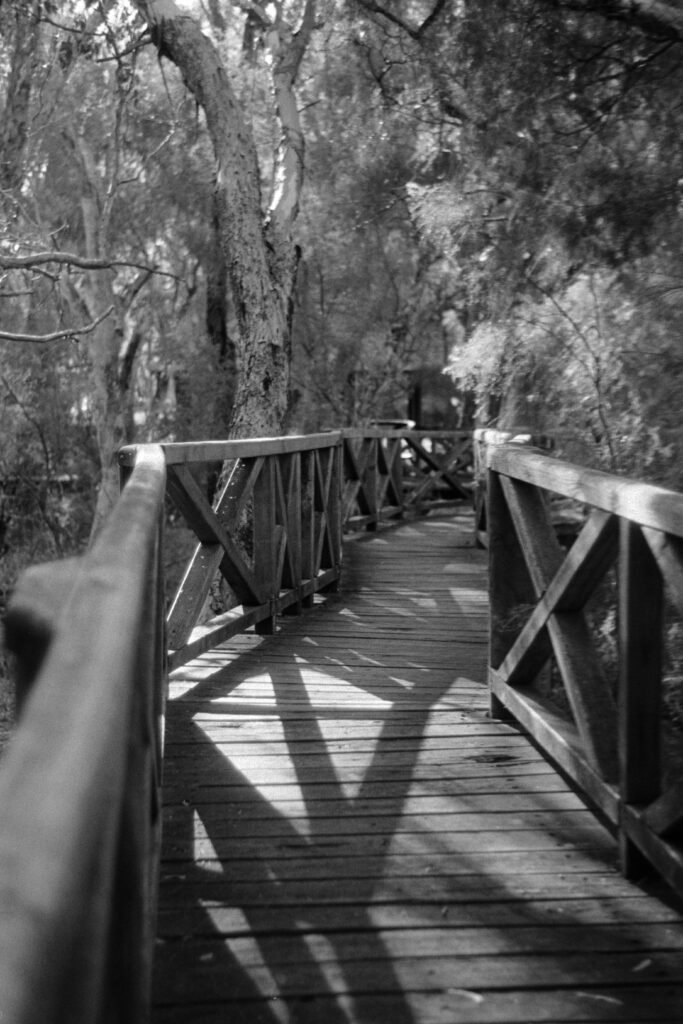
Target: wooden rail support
x,y
612,748
640,681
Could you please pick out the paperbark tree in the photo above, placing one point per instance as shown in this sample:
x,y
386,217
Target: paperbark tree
x,y
258,247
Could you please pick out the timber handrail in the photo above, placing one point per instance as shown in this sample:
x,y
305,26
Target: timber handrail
x,y
80,779
613,748
79,807
274,530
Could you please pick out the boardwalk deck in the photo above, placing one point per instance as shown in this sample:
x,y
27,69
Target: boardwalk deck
x,y
349,838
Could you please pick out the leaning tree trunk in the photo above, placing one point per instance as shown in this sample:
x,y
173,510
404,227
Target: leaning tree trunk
x,y
259,250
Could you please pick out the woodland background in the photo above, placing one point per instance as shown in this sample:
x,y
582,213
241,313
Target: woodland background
x,y
362,194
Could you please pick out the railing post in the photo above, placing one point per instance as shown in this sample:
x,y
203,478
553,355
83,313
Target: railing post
x,y
334,515
308,523
291,482
510,586
264,540
640,681
371,476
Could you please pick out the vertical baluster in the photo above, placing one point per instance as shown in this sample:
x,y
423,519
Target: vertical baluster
x,y
307,522
265,555
640,680
291,480
396,467
334,455
509,583
370,483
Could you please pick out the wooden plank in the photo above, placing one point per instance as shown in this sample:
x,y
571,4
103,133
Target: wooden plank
x,y
349,837
587,688
560,740
186,452
64,782
481,1006
640,678
365,973
202,519
642,503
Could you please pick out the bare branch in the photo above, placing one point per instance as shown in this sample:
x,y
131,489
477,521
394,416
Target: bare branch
x,y
40,339
374,8
72,259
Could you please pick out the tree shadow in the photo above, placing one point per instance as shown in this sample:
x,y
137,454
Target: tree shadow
x,y
271,911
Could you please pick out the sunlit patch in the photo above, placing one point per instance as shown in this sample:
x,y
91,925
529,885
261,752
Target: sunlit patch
x,y
203,849
407,683
469,596
425,602
246,952
323,952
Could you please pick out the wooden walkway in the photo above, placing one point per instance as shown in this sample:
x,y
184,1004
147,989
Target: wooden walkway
x,y
349,838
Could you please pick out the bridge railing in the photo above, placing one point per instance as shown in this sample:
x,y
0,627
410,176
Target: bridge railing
x,y
613,748
79,786
80,779
273,532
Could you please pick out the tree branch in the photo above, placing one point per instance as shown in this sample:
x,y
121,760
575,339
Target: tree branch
x,y
72,259
374,8
40,339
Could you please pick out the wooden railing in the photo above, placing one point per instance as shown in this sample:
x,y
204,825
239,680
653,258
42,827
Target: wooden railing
x,y
80,779
273,533
612,747
79,786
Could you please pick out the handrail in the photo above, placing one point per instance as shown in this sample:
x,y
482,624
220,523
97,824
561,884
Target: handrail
x,y
79,809
612,748
274,532
80,779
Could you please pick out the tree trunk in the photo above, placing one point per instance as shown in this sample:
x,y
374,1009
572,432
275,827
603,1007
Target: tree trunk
x,y
259,252
22,34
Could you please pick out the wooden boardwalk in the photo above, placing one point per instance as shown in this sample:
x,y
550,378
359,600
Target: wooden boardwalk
x,y
349,838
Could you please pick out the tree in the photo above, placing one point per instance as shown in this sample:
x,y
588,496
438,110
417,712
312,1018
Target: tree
x,y
258,250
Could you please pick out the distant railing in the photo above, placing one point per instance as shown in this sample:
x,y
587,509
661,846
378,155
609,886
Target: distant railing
x,y
274,530
80,780
539,592
79,786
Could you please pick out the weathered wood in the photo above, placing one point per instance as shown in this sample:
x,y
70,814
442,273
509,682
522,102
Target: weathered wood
x,y
202,519
179,453
560,740
651,553
640,682
348,836
639,502
568,585
64,859
510,587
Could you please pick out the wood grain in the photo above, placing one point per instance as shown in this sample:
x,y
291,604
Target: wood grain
x,y
349,837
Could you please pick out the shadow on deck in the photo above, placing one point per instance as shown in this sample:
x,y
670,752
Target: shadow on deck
x,y
349,837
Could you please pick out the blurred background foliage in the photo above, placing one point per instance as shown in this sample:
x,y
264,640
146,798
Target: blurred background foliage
x,y
492,190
